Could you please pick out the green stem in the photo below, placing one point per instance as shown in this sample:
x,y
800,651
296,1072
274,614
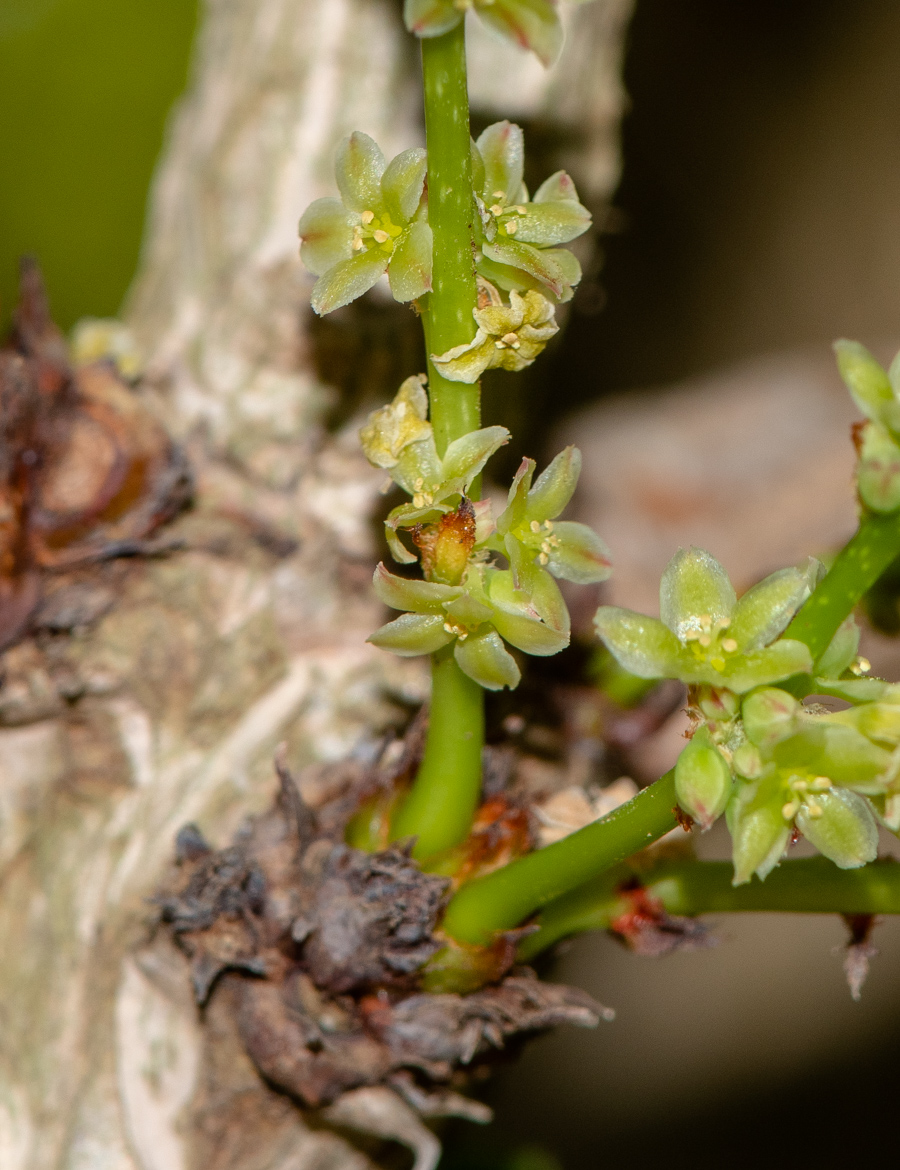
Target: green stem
x,y
807,886
505,898
856,568
455,406
442,803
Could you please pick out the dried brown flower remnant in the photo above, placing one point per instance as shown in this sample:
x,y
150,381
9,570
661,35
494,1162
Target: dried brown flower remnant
x,y
86,472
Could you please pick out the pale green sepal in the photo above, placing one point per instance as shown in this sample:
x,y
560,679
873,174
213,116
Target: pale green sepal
x,y
403,182
326,235
828,748
517,501
867,382
412,634
559,187
841,651
765,610
468,611
347,280
845,831
529,634
431,18
852,690
502,150
694,585
541,265
543,593
878,721
548,224
409,270
532,24
399,551
465,457
759,832
702,780
406,593
555,486
643,645
484,658
770,716
580,556
358,168
769,665
878,469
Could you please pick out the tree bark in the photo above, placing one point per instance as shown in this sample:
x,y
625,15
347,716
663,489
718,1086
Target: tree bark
x,y
254,634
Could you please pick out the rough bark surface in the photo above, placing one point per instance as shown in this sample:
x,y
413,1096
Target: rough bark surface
x,y
252,635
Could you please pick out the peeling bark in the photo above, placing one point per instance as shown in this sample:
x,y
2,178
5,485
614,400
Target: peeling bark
x,y
168,708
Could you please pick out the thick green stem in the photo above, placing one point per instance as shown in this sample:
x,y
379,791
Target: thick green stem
x,y
505,898
442,803
856,568
455,406
810,885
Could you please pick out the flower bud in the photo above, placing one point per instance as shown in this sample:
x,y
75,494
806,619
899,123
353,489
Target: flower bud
x,y
878,470
702,780
841,825
759,831
770,715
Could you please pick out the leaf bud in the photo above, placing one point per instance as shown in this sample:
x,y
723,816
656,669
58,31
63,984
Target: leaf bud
x,y
770,715
702,780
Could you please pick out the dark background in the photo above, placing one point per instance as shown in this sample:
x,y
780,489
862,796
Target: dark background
x,y
759,210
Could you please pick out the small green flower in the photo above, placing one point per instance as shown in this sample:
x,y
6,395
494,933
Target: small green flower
x,y
477,616
509,337
706,635
378,225
703,781
399,438
527,530
519,239
532,24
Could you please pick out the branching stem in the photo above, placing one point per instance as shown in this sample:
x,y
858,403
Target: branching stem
x,y
812,885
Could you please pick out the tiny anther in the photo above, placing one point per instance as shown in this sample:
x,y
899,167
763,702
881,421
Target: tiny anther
x,y
381,237
367,216
500,344
495,209
498,195
512,340
543,558
520,210
704,640
814,810
729,645
799,785
548,524
790,810
534,526
512,227
821,784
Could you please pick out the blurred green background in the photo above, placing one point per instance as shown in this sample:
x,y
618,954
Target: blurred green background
x,y
85,90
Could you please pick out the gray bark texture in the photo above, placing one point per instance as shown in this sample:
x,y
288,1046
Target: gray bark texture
x,y
168,708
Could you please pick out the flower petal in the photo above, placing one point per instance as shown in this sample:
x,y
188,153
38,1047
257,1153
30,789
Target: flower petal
x,y
844,830
403,182
841,650
643,645
431,18
581,556
409,270
759,832
769,665
348,280
517,500
484,658
408,593
549,224
532,24
467,362
555,485
765,610
391,428
358,169
544,266
558,187
869,385
502,150
694,585
465,457
326,235
412,634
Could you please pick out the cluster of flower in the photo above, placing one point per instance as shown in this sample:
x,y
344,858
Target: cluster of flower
x,y
533,24
877,394
774,765
465,598
380,225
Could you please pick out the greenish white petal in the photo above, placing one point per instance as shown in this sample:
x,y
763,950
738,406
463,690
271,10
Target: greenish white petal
x,y
348,280
484,658
409,270
765,610
643,645
412,634
326,235
694,588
